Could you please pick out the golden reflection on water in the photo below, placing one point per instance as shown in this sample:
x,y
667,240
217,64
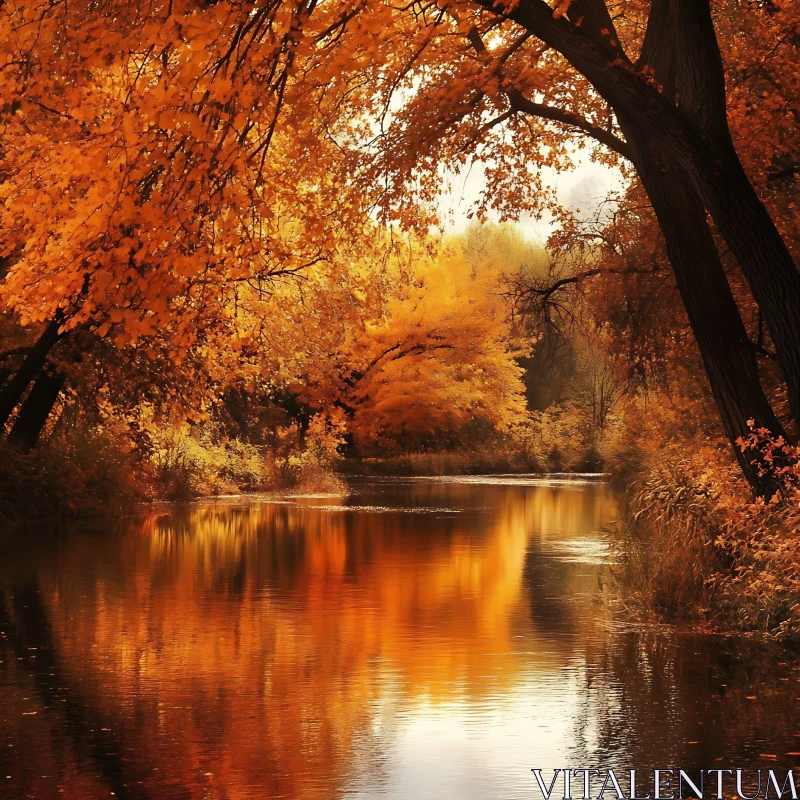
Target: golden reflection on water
x,y
284,650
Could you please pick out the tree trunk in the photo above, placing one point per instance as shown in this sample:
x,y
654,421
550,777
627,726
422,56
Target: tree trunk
x,y
763,257
728,358
12,392
678,153
692,133
35,410
724,346
740,216
680,47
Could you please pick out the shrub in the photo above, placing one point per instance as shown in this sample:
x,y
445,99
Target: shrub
x,y
76,473
694,542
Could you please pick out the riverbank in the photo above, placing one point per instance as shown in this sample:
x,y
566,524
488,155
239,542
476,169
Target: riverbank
x,y
693,545
471,462
81,471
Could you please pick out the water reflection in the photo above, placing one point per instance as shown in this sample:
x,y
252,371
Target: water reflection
x,y
417,640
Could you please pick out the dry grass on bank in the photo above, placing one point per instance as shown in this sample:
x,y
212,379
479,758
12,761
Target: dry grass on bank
x,y
77,474
82,469
559,440
453,462
694,544
81,472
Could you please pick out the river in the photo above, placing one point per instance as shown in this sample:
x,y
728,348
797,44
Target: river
x,y
423,639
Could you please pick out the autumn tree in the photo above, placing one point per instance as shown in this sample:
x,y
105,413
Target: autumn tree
x,y
511,85
415,348
147,178
439,362
157,160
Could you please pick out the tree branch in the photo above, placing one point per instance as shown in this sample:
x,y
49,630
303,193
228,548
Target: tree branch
x,y
521,103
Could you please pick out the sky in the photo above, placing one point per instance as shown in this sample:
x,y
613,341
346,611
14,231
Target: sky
x,y
584,187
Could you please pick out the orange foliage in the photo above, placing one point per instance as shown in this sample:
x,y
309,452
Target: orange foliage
x,y
224,186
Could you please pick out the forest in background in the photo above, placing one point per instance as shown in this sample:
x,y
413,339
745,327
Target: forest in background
x,y
222,265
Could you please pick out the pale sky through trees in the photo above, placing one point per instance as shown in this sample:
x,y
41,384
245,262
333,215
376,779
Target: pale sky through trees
x,y
584,187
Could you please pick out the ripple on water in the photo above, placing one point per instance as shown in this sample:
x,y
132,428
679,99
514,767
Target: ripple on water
x,y
547,479
580,550
390,509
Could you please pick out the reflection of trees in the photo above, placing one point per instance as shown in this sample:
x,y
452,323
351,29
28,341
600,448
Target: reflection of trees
x,y
28,640
563,595
255,649
689,701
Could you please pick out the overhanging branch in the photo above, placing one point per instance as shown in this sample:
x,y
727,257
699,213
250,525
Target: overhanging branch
x,y
520,103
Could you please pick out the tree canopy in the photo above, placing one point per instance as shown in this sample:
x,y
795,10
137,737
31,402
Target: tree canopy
x,y
243,196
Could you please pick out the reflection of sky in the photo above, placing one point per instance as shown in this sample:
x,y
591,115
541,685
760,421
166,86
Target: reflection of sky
x,y
467,749
579,550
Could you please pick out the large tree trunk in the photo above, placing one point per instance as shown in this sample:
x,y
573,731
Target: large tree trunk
x,y
724,346
763,257
727,355
741,218
726,351
690,128
722,339
35,410
12,392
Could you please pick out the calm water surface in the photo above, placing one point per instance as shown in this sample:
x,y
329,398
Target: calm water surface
x,y
416,639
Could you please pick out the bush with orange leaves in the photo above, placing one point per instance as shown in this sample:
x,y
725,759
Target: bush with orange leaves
x,y
693,543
